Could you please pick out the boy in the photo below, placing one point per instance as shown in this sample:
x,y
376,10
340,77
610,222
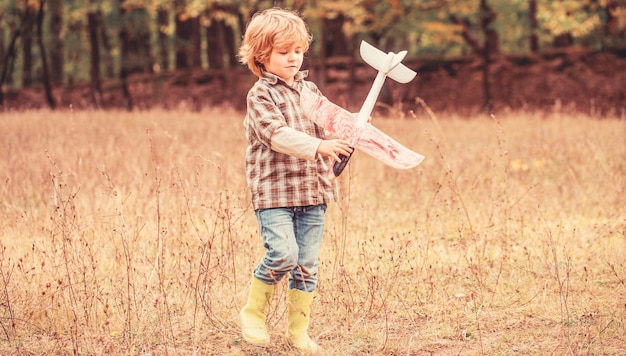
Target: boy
x,y
288,159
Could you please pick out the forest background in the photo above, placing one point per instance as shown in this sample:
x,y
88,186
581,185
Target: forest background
x,y
470,55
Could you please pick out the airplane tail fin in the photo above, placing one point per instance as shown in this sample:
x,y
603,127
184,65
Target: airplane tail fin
x,y
379,60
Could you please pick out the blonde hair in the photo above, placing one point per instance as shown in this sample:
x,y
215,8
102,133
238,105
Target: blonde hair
x,y
269,29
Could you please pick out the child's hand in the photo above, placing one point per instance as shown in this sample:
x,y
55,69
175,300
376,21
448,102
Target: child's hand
x,y
333,148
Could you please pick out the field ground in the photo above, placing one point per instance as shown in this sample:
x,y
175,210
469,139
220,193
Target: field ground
x,y
132,233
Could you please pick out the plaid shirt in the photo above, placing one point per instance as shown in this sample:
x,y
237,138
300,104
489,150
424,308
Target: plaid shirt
x,y
277,179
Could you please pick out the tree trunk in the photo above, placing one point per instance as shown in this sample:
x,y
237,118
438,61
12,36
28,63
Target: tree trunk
x,y
491,49
2,52
125,44
611,25
55,9
467,35
563,40
27,46
320,59
184,30
335,40
93,25
534,38
136,44
241,21
613,31
44,60
8,62
163,20
351,71
230,48
215,47
487,50
109,67
195,43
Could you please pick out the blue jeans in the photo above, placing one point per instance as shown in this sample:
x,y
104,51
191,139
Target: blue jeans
x,y
292,237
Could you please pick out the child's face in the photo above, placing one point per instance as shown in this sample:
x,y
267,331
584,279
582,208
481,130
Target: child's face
x,y
285,62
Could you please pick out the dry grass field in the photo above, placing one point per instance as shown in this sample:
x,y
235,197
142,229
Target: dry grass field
x,y
132,233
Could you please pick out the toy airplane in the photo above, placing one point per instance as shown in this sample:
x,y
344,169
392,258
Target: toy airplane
x,y
361,134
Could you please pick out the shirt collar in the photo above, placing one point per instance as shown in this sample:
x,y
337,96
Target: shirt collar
x,y
272,78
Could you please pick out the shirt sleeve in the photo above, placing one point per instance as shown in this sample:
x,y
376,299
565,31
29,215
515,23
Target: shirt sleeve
x,y
295,143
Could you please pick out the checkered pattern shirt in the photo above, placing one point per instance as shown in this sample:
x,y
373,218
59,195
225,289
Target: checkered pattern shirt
x,y
276,179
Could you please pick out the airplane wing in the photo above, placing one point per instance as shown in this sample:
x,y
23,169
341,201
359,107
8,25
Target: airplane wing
x,y
341,123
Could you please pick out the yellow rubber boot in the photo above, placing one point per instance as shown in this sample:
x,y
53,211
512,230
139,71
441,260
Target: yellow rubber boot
x,y
298,321
252,316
